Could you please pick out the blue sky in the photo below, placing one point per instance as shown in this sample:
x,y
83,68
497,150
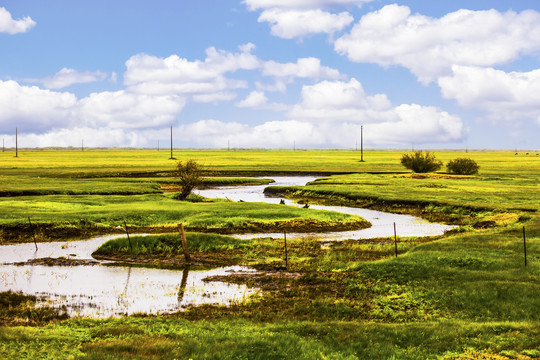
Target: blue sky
x,y
271,73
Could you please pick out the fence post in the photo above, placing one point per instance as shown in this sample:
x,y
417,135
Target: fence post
x,y
395,238
184,242
286,259
127,233
524,246
33,232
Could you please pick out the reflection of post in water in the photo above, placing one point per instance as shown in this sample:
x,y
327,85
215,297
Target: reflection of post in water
x,y
183,283
127,283
31,274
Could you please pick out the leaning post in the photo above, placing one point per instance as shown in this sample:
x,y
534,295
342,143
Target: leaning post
x,y
33,232
184,242
524,246
395,238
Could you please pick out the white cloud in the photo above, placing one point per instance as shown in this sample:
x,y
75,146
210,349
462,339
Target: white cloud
x,y
340,101
507,96
290,24
337,105
148,74
298,18
429,47
300,4
125,110
32,108
67,77
11,26
254,99
303,68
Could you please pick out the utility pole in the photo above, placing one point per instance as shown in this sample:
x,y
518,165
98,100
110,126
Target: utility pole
x,y
171,158
82,144
16,144
361,143
294,145
3,148
228,145
158,145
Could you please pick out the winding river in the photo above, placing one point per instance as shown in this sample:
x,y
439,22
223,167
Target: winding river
x,y
101,291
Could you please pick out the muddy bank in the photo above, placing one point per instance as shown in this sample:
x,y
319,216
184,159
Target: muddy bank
x,y
22,233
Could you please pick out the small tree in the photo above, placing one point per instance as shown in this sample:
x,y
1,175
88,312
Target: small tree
x,y
421,162
190,175
462,166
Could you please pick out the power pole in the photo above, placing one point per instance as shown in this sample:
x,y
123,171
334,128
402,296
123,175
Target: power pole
x,y
3,148
361,143
16,144
294,145
158,145
82,145
171,158
228,145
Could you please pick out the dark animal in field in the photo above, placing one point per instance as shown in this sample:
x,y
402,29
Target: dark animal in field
x,y
282,202
306,206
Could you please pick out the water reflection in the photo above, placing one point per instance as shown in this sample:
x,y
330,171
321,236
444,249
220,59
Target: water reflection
x,y
105,291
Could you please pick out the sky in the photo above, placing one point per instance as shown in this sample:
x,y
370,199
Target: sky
x,y
419,74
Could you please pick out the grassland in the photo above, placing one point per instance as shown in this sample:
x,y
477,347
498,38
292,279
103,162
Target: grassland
x,y
466,295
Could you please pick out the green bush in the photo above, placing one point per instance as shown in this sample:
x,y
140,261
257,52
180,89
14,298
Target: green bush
x,y
421,162
462,166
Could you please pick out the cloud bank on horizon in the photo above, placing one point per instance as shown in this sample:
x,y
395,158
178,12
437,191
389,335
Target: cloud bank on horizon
x,y
314,97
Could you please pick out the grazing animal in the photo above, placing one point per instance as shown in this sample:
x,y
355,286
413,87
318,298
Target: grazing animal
x,y
282,202
306,206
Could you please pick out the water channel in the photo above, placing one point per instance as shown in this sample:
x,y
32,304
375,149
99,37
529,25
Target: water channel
x,y
101,291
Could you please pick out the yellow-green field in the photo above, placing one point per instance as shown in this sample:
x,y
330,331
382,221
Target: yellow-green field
x,y
465,295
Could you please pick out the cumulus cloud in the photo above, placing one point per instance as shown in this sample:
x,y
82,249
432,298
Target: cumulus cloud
x,y
428,46
254,99
303,68
67,77
299,18
300,4
32,109
501,95
147,74
336,106
10,26
290,24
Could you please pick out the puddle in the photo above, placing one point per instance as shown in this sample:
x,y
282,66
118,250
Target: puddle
x,y
105,291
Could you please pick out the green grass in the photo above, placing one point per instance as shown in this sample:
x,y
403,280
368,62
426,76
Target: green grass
x,y
464,296
169,244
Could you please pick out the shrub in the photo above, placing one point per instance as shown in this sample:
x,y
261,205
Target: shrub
x,y
421,162
190,175
462,166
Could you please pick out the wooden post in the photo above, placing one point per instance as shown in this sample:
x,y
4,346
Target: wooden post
x,y
33,232
16,144
524,246
395,238
127,233
286,258
184,242
82,145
